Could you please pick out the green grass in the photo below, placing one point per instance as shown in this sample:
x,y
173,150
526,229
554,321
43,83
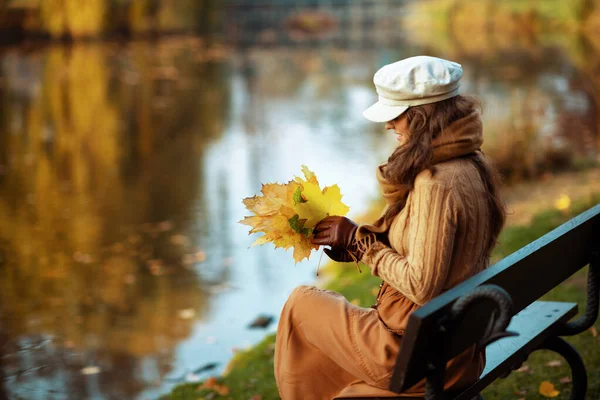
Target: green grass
x,y
251,372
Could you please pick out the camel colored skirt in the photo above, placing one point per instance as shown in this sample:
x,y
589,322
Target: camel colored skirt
x,y
327,347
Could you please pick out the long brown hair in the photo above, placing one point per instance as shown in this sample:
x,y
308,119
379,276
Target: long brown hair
x,y
425,123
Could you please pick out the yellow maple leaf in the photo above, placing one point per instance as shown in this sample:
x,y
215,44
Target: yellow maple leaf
x,y
309,175
274,197
261,240
283,211
547,389
563,202
272,213
320,203
302,249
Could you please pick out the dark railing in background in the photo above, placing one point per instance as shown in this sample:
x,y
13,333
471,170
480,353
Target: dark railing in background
x,y
342,23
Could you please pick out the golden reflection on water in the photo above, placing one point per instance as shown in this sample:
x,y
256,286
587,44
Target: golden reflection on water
x,y
96,193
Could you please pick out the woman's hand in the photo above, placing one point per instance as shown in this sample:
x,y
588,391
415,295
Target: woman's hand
x,y
338,232
335,231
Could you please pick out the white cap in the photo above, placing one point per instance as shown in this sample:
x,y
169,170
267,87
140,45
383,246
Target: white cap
x,y
412,82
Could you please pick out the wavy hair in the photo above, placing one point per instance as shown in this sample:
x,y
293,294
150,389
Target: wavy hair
x,y
425,123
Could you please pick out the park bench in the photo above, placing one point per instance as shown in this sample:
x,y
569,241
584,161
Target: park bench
x,y
498,309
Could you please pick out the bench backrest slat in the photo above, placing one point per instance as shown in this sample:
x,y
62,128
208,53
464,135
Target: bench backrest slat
x,y
526,275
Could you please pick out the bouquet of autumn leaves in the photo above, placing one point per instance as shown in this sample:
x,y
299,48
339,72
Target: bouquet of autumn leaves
x,y
287,213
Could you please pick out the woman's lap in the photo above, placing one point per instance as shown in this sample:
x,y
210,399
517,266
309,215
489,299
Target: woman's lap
x,y
324,339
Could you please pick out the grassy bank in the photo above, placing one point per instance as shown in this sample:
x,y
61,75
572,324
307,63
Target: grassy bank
x,y
250,373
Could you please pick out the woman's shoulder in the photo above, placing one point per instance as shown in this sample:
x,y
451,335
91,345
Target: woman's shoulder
x,y
448,173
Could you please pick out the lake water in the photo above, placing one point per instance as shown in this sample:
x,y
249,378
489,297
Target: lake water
x,y
122,169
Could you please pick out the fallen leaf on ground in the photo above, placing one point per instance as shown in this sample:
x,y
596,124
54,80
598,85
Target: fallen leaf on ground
x,y
209,383
566,379
563,202
554,363
594,331
213,384
547,389
223,390
356,302
525,369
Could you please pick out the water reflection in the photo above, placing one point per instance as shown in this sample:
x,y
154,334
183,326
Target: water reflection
x,y
98,230
121,174
122,169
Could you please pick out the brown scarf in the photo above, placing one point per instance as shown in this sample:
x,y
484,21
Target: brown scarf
x,y
460,138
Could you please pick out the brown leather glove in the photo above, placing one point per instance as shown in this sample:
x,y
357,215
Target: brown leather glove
x,y
337,232
339,254
334,231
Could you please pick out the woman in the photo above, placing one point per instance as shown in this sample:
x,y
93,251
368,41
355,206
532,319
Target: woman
x,y
441,222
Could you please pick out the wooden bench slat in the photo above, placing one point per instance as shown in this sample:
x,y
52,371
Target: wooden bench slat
x,y
533,324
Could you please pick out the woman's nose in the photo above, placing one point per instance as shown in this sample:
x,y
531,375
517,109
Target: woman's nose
x,y
389,125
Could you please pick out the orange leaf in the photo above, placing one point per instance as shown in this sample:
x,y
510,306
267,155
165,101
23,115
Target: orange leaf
x,y
210,383
547,389
222,390
594,331
213,384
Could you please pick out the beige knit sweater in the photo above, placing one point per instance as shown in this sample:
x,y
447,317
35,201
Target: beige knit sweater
x,y
440,237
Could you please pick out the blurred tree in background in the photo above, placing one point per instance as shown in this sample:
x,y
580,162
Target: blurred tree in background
x,y
75,19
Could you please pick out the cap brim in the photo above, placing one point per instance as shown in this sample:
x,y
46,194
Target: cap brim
x,y
383,113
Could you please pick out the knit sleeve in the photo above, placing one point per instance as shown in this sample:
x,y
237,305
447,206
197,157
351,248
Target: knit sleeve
x,y
421,273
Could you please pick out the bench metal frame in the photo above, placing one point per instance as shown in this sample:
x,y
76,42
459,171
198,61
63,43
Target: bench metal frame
x,y
497,330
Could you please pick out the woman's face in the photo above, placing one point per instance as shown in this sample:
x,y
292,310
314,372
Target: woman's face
x,y
400,127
